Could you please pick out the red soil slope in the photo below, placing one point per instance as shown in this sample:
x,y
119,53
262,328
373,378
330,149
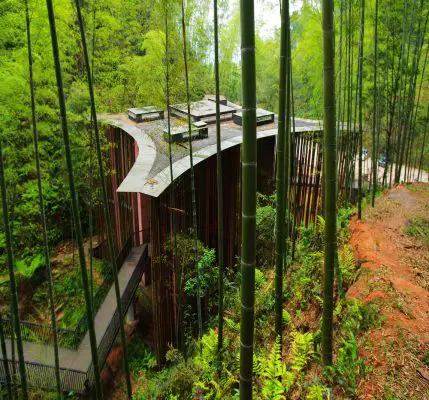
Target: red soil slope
x,y
394,273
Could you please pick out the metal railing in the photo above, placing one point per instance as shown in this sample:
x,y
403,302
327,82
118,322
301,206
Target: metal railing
x,y
38,333
112,330
71,338
43,376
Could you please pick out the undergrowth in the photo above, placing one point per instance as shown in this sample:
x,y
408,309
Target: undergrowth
x,y
418,228
281,370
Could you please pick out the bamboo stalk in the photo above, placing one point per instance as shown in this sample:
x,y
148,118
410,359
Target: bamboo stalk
x,y
5,361
13,287
375,110
107,217
219,194
194,202
329,154
280,171
179,324
74,201
360,88
249,183
46,251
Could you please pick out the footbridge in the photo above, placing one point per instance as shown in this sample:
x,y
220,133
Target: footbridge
x,y
76,369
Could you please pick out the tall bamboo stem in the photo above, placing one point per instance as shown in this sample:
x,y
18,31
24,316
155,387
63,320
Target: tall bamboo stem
x,y
219,193
74,200
249,187
360,87
46,251
13,287
194,201
330,156
280,170
5,361
106,212
375,110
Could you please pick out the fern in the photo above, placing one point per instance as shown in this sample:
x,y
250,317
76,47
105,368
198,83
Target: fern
x,y
317,392
205,360
350,367
273,372
234,326
347,263
302,349
257,365
286,318
276,379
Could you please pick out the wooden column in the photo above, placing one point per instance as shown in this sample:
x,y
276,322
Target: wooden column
x,y
161,282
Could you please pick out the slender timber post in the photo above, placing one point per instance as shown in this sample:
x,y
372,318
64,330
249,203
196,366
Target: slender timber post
x,y
74,201
375,111
249,182
280,172
194,201
330,157
42,206
360,134
219,193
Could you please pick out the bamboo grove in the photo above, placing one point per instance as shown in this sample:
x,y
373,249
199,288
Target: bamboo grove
x,y
375,122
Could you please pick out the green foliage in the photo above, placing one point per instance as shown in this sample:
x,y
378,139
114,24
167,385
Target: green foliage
x,y
418,228
356,317
140,357
129,70
27,270
347,264
265,225
317,392
208,274
260,280
302,349
276,380
286,318
185,259
306,279
349,366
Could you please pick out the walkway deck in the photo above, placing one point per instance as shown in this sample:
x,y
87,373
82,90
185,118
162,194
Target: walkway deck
x,y
76,365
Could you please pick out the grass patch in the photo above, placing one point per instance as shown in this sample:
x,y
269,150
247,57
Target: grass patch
x,y
418,228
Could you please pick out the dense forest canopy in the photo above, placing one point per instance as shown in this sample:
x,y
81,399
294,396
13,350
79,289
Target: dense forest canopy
x,y
127,43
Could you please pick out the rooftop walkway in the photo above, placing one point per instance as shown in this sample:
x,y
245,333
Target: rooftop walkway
x,y
76,365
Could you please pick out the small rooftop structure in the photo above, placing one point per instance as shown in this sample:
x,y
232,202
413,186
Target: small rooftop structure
x,y
148,113
199,130
204,110
212,97
262,117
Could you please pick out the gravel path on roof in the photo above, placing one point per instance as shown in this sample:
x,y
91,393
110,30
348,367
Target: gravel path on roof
x,y
155,130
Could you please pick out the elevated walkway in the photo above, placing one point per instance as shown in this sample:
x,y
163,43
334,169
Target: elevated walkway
x,y
76,368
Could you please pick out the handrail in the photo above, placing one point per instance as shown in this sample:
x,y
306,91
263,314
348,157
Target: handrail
x,y
80,381
109,335
70,338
